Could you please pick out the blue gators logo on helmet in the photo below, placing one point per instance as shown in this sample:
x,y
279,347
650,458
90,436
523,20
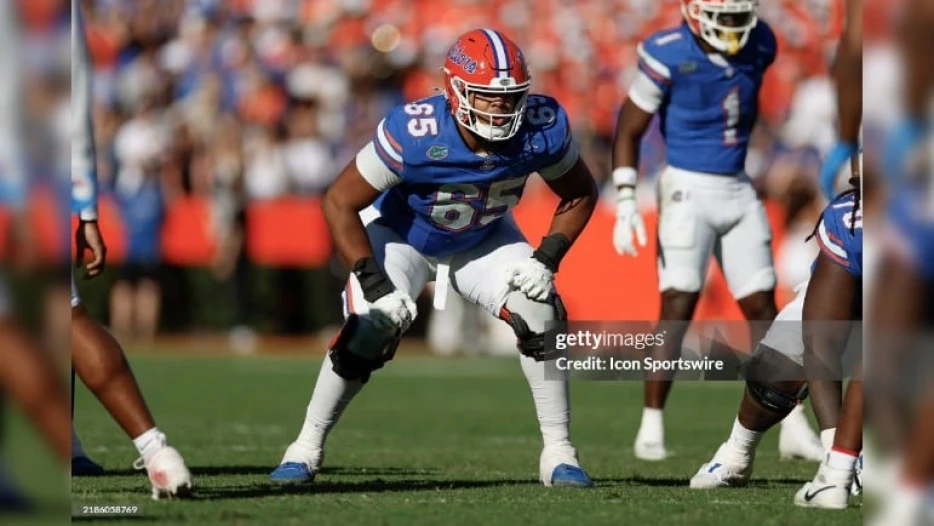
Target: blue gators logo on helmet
x,y
460,58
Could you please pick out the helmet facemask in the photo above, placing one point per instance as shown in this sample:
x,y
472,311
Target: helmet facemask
x,y
481,122
725,26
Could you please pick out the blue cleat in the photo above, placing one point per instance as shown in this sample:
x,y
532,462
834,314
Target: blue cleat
x,y
291,473
82,466
568,476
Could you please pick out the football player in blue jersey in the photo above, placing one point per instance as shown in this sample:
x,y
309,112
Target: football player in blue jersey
x,y
834,296
702,79
791,358
432,193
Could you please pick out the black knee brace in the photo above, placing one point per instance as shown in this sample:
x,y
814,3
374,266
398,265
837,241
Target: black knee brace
x,y
774,400
351,366
532,344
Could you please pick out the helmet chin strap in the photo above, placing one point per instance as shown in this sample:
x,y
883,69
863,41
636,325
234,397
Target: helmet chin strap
x,y
488,131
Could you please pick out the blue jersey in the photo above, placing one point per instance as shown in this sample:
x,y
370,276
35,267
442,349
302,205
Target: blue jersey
x,y
913,222
707,104
446,198
840,233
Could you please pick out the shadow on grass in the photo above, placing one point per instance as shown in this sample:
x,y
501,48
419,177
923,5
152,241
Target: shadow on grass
x,y
209,471
367,486
684,482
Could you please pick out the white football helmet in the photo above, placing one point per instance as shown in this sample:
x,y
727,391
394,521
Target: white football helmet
x,y
724,24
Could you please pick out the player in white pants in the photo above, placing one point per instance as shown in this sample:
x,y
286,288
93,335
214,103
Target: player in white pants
x,y
702,77
775,389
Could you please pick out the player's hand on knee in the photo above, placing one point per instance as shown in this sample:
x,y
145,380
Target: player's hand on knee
x,y
390,310
629,228
393,312
532,278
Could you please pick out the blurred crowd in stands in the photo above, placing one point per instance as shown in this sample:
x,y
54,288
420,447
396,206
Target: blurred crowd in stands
x,y
241,101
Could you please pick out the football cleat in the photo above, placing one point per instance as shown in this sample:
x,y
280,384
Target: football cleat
x,y
829,490
82,466
167,473
299,465
856,489
292,473
725,470
558,467
796,439
651,451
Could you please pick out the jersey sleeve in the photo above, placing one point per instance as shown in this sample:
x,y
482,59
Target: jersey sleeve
x,y
83,162
654,76
768,44
562,150
380,162
837,240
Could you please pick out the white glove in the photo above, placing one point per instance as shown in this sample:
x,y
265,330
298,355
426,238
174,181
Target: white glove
x,y
532,278
393,313
627,221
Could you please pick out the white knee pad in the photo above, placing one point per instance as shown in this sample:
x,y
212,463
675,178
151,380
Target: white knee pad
x,y
679,278
764,279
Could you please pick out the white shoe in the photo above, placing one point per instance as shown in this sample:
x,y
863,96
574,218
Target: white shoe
x,y
558,466
167,473
650,451
829,490
856,489
796,439
725,470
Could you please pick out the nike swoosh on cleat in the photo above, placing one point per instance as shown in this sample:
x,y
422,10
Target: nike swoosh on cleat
x,y
808,496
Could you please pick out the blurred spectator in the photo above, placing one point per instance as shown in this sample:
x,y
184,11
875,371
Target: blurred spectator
x,y
140,149
263,99
309,161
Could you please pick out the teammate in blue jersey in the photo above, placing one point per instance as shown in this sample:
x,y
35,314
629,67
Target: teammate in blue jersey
x,y
432,193
702,79
833,297
777,375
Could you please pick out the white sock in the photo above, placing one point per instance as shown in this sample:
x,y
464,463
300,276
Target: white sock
x,y
331,396
744,440
76,449
149,443
826,438
552,403
841,460
652,428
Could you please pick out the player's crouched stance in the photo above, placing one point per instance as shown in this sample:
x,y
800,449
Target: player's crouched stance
x,y
441,175
794,355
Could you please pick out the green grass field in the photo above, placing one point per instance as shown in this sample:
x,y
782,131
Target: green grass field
x,y
429,441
